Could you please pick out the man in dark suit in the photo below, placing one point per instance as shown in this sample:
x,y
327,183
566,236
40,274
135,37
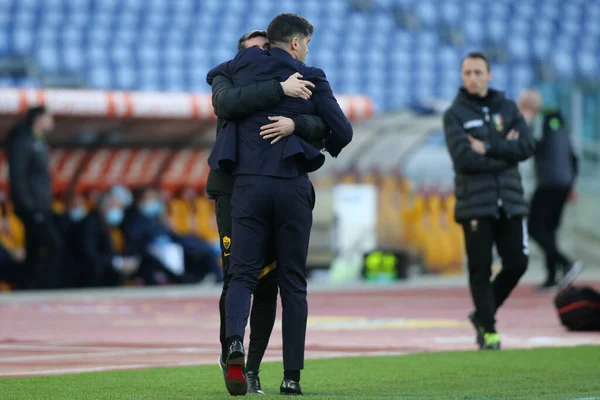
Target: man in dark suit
x,y
272,197
31,194
231,103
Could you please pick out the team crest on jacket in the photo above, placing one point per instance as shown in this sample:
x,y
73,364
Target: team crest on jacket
x,y
498,122
226,242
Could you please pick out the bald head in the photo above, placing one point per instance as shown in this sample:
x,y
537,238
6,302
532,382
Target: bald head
x,y
530,104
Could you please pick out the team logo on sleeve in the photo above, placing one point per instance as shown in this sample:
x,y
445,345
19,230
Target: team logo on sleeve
x,y
498,122
226,242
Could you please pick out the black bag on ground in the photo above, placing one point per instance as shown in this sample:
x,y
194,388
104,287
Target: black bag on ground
x,y
579,308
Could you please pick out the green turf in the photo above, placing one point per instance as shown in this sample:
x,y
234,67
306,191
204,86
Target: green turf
x,y
550,373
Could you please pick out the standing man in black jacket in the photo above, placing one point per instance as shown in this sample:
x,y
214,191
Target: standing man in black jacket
x,y
556,167
487,137
233,104
31,194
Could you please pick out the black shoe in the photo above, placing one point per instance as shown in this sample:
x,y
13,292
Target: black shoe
x,y
290,388
480,340
235,380
223,367
253,383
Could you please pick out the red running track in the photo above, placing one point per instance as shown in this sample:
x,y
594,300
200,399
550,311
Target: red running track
x,y
71,336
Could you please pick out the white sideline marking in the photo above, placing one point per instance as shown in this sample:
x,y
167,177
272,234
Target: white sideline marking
x,y
60,347
121,353
96,369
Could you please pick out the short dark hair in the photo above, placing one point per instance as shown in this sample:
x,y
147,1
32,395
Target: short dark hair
x,y
248,36
33,114
285,26
480,55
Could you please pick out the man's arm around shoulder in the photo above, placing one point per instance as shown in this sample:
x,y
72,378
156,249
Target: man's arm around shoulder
x,y
331,112
229,68
234,103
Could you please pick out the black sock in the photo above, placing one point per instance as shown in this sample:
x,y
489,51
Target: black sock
x,y
252,365
293,374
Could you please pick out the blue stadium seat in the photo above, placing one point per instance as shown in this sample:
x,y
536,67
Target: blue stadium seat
x,y
6,81
500,77
148,79
518,47
588,64
100,77
170,45
427,13
564,64
474,30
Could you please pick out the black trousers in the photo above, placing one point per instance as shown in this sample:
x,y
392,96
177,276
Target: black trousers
x,y
264,307
265,209
547,205
511,239
43,248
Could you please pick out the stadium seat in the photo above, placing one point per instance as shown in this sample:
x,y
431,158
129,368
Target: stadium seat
x,y
13,236
437,246
205,220
95,39
181,216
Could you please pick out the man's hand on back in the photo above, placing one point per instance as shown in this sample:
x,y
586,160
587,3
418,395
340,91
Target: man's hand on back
x,y
279,129
295,87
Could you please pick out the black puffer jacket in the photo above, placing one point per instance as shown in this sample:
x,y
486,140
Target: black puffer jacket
x,y
486,183
30,180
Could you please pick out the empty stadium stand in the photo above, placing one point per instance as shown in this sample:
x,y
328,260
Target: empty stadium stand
x,y
407,51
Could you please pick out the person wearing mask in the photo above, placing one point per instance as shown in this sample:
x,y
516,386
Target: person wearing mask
x,y
109,268
556,167
487,137
31,194
170,256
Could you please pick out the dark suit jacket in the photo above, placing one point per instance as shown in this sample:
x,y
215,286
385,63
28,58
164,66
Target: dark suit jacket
x,y
231,103
292,156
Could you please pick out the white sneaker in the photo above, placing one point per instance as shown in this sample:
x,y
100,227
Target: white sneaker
x,y
571,274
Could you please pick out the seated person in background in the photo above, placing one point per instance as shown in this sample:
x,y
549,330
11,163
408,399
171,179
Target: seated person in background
x,y
11,270
183,258
90,257
126,198
12,252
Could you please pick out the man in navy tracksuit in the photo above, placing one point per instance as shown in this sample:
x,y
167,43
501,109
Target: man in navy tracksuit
x,y
272,197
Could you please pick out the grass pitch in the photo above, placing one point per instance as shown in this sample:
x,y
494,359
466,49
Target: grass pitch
x,y
547,373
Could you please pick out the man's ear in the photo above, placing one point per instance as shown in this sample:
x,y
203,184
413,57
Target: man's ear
x,y
295,43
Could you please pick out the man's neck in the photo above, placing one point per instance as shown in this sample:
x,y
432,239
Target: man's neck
x,y
281,47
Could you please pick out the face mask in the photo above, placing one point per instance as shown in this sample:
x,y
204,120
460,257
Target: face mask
x,y
114,216
77,214
151,208
123,194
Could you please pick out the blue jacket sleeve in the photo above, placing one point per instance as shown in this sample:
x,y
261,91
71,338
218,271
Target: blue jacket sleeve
x,y
331,112
229,68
